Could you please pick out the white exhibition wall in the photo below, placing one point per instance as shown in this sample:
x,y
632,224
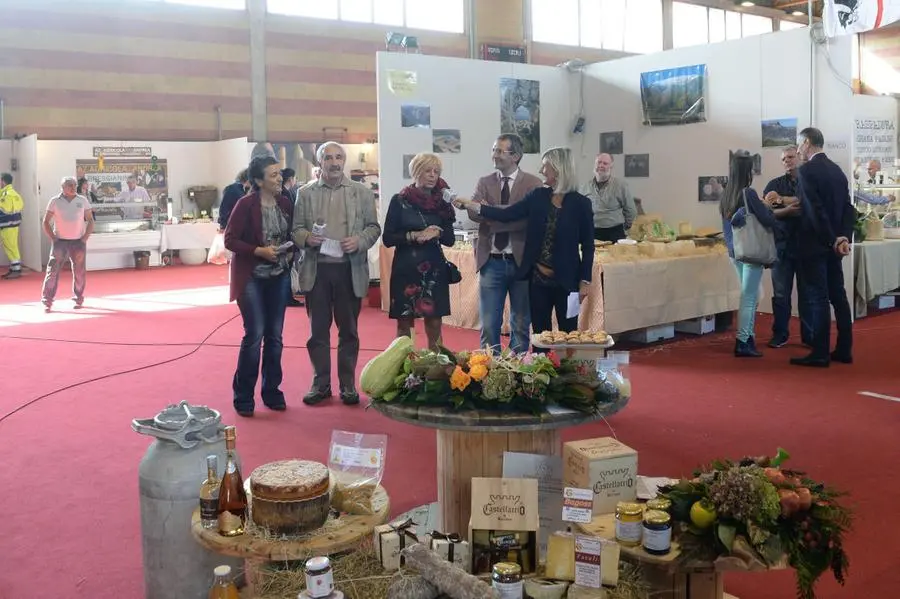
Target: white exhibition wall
x,y
741,92
464,95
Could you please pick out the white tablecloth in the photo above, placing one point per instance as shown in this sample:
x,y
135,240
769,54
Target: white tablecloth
x,y
189,236
877,271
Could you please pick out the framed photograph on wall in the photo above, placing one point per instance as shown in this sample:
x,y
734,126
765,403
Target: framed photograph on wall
x,y
612,143
779,132
637,165
520,111
711,189
407,158
674,96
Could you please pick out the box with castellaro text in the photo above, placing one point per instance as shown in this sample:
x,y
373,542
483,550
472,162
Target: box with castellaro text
x,y
504,523
605,465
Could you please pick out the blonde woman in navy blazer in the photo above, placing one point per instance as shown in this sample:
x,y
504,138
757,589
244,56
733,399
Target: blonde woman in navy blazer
x,y
559,239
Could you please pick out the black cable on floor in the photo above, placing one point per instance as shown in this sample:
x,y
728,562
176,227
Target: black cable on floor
x,y
163,344
115,374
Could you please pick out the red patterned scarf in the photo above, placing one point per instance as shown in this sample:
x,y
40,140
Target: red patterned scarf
x,y
432,202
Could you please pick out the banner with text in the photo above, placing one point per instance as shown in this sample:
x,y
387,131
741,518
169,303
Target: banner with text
x,y
108,182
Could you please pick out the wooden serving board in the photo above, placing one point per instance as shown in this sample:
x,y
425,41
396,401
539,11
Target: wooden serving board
x,y
337,535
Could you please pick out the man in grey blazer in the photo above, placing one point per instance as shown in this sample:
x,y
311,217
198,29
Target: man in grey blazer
x,y
499,249
334,274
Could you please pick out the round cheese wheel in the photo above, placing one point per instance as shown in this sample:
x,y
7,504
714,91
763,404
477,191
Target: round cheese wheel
x,y
288,480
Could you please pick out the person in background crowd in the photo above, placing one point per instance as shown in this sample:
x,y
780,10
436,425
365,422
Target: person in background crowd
x,y
231,194
68,223
260,283
498,253
262,149
417,223
611,201
825,231
289,190
872,170
737,199
289,185
558,258
334,275
133,194
781,196
11,206
86,189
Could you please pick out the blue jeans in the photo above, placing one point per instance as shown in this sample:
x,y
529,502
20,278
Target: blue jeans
x,y
262,306
496,280
749,276
783,273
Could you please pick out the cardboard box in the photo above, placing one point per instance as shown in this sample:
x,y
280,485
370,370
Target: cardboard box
x,y
697,326
452,548
883,302
653,334
504,524
390,539
604,465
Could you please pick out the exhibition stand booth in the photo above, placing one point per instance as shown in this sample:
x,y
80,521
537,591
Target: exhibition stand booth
x,y
183,181
669,119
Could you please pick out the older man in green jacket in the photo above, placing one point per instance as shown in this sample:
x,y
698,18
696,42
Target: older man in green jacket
x,y
335,222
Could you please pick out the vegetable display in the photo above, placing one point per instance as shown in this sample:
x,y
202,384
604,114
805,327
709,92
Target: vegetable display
x,y
505,381
764,515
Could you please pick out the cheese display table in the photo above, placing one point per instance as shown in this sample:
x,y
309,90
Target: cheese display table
x,y
669,576
876,265
470,443
632,294
339,534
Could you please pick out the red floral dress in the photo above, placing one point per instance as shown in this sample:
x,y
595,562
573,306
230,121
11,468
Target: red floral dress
x,y
419,280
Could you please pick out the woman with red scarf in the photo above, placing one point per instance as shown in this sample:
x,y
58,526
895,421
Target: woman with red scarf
x,y
418,221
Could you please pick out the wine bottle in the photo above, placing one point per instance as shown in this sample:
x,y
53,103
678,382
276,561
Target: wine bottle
x,y
223,587
209,494
232,497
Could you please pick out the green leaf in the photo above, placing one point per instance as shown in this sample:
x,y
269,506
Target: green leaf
x,y
726,534
407,366
398,380
781,457
458,400
390,395
772,550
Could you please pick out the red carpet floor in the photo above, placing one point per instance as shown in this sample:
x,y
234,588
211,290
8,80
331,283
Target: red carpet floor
x,y
70,460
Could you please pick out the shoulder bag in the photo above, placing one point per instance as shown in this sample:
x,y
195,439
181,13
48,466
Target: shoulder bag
x,y
753,243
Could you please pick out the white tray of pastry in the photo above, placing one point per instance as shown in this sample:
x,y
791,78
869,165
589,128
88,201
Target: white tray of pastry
x,y
576,340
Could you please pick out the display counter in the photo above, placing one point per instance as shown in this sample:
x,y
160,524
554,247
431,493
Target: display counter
x,y
120,229
876,267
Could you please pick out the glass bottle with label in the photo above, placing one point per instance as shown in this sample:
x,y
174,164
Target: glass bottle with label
x,y
657,537
209,494
319,578
628,523
232,497
223,587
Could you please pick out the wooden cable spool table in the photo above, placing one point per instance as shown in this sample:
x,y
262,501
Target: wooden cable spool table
x,y
338,535
471,443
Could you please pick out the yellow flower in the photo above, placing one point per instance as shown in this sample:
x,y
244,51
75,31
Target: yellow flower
x,y
478,371
479,359
459,380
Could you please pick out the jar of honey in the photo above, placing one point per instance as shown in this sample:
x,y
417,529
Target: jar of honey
x,y
506,579
657,534
660,504
628,523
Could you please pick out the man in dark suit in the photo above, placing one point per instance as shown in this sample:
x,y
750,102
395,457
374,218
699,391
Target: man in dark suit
x,y
824,235
231,194
498,252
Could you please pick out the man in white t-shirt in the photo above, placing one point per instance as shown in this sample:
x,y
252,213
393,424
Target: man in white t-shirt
x,y
68,223
134,193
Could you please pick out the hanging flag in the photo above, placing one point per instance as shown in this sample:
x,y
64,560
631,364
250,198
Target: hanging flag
x,y
844,17
100,162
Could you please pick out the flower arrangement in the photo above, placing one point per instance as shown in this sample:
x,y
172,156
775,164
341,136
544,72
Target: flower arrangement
x,y
764,516
527,382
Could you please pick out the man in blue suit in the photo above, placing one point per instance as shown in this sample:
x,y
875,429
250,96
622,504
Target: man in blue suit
x,y
826,229
231,195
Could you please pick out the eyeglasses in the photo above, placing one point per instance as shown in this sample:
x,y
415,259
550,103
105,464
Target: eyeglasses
x,y
499,151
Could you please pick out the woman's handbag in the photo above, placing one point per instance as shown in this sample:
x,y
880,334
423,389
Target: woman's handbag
x,y
453,274
754,243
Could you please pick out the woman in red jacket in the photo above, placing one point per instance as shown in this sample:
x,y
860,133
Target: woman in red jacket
x,y
258,232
